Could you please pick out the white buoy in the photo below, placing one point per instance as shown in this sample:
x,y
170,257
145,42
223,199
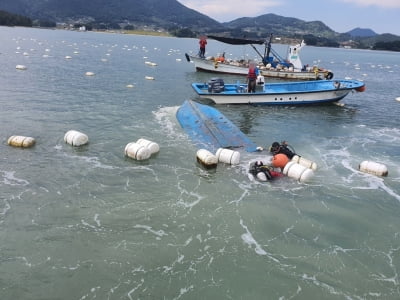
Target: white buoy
x,y
21,141
76,138
137,151
149,77
305,162
374,168
228,156
152,146
89,74
68,57
298,172
20,67
398,99
206,158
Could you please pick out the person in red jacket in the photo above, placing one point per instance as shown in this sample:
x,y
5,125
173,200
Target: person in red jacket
x,y
252,78
203,43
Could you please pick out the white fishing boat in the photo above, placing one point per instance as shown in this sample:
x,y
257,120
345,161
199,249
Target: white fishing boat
x,y
271,65
280,93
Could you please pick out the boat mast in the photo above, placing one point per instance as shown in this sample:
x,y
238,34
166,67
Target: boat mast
x,y
267,50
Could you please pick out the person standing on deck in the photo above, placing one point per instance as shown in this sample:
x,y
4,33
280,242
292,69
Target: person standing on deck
x,y
203,43
252,77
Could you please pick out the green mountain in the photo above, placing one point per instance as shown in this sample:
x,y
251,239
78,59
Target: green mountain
x,y
361,32
162,13
279,25
176,18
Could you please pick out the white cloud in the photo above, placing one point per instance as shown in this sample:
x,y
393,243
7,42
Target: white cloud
x,y
231,9
377,3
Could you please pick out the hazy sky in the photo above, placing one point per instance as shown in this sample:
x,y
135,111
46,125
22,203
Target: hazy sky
x,y
382,16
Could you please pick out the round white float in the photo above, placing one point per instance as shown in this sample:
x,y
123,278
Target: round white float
x,y
20,67
137,151
298,172
305,162
89,74
152,146
374,168
21,141
206,158
76,138
228,156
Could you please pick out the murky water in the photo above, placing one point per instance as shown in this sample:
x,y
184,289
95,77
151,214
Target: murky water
x,y
90,223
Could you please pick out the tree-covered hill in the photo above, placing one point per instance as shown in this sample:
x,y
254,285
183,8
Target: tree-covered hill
x,y
172,16
8,19
165,13
280,25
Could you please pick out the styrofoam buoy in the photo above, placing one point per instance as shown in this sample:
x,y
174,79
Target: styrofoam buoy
x,y
149,77
228,156
279,160
21,141
152,146
374,168
89,74
206,158
76,138
20,67
137,151
305,162
398,99
298,172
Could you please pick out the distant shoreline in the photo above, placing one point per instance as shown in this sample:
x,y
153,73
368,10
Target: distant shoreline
x,y
136,32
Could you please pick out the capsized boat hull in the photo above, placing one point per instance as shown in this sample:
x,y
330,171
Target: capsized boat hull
x,y
208,65
285,93
209,129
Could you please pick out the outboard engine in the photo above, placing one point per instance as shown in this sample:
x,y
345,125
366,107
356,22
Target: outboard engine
x,y
216,85
260,82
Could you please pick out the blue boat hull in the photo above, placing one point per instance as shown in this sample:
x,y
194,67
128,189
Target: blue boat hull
x,y
285,93
209,129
